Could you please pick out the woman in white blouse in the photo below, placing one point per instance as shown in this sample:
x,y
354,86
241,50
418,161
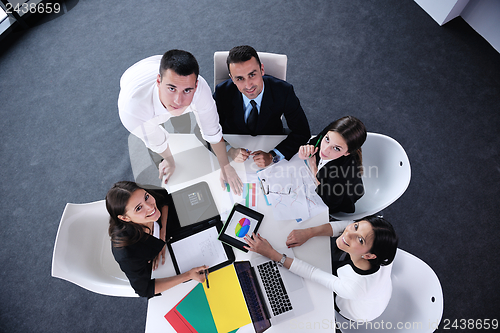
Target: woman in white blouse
x,y
361,280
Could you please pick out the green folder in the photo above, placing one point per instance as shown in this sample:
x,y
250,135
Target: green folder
x,y
195,309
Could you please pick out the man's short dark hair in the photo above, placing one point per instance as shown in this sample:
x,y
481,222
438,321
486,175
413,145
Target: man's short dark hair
x,y
241,53
181,62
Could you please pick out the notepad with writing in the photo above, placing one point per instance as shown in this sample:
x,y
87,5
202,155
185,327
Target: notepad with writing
x,y
198,245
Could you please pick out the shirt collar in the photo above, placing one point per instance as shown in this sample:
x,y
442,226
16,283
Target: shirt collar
x,y
257,99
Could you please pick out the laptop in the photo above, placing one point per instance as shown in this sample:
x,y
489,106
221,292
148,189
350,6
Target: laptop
x,y
273,294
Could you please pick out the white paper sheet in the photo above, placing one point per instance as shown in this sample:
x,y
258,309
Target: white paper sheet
x,y
200,249
290,190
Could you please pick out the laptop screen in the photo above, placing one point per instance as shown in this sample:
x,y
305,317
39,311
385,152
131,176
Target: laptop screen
x,y
253,296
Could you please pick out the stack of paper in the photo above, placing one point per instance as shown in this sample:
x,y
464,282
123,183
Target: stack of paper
x,y
289,187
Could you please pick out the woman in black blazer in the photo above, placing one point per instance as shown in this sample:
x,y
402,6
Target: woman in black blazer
x,y
138,228
334,157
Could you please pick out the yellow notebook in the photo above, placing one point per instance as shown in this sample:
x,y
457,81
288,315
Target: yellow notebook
x,y
226,300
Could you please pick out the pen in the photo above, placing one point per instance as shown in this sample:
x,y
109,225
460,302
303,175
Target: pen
x,y
262,187
319,139
263,191
206,278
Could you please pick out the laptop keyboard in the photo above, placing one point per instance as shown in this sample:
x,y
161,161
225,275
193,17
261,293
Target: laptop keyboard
x,y
275,289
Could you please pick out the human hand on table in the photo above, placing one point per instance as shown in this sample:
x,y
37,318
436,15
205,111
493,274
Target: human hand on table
x,y
260,245
229,176
166,168
297,237
197,273
262,159
239,155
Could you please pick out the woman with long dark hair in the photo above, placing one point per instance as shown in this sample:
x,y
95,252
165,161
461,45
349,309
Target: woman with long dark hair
x,y
140,221
334,157
363,253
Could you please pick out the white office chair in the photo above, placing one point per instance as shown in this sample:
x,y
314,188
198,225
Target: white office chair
x,y
274,64
82,251
416,304
386,176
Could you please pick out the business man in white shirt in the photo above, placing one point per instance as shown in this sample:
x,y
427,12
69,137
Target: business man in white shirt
x,y
160,87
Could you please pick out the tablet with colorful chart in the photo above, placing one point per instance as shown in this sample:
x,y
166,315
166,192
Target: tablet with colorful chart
x,y
240,222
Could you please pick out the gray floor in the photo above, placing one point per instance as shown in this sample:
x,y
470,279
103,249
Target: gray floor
x,y
434,89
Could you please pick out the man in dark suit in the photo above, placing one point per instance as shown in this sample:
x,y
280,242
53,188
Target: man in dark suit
x,y
253,103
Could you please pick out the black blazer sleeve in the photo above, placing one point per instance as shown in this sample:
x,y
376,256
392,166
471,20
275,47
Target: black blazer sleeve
x,y
340,183
136,262
286,103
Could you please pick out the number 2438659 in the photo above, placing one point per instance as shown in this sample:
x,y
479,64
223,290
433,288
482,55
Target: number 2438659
x,y
43,7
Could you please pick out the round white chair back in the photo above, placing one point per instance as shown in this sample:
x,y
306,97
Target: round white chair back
x,y
82,251
416,304
274,64
386,176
